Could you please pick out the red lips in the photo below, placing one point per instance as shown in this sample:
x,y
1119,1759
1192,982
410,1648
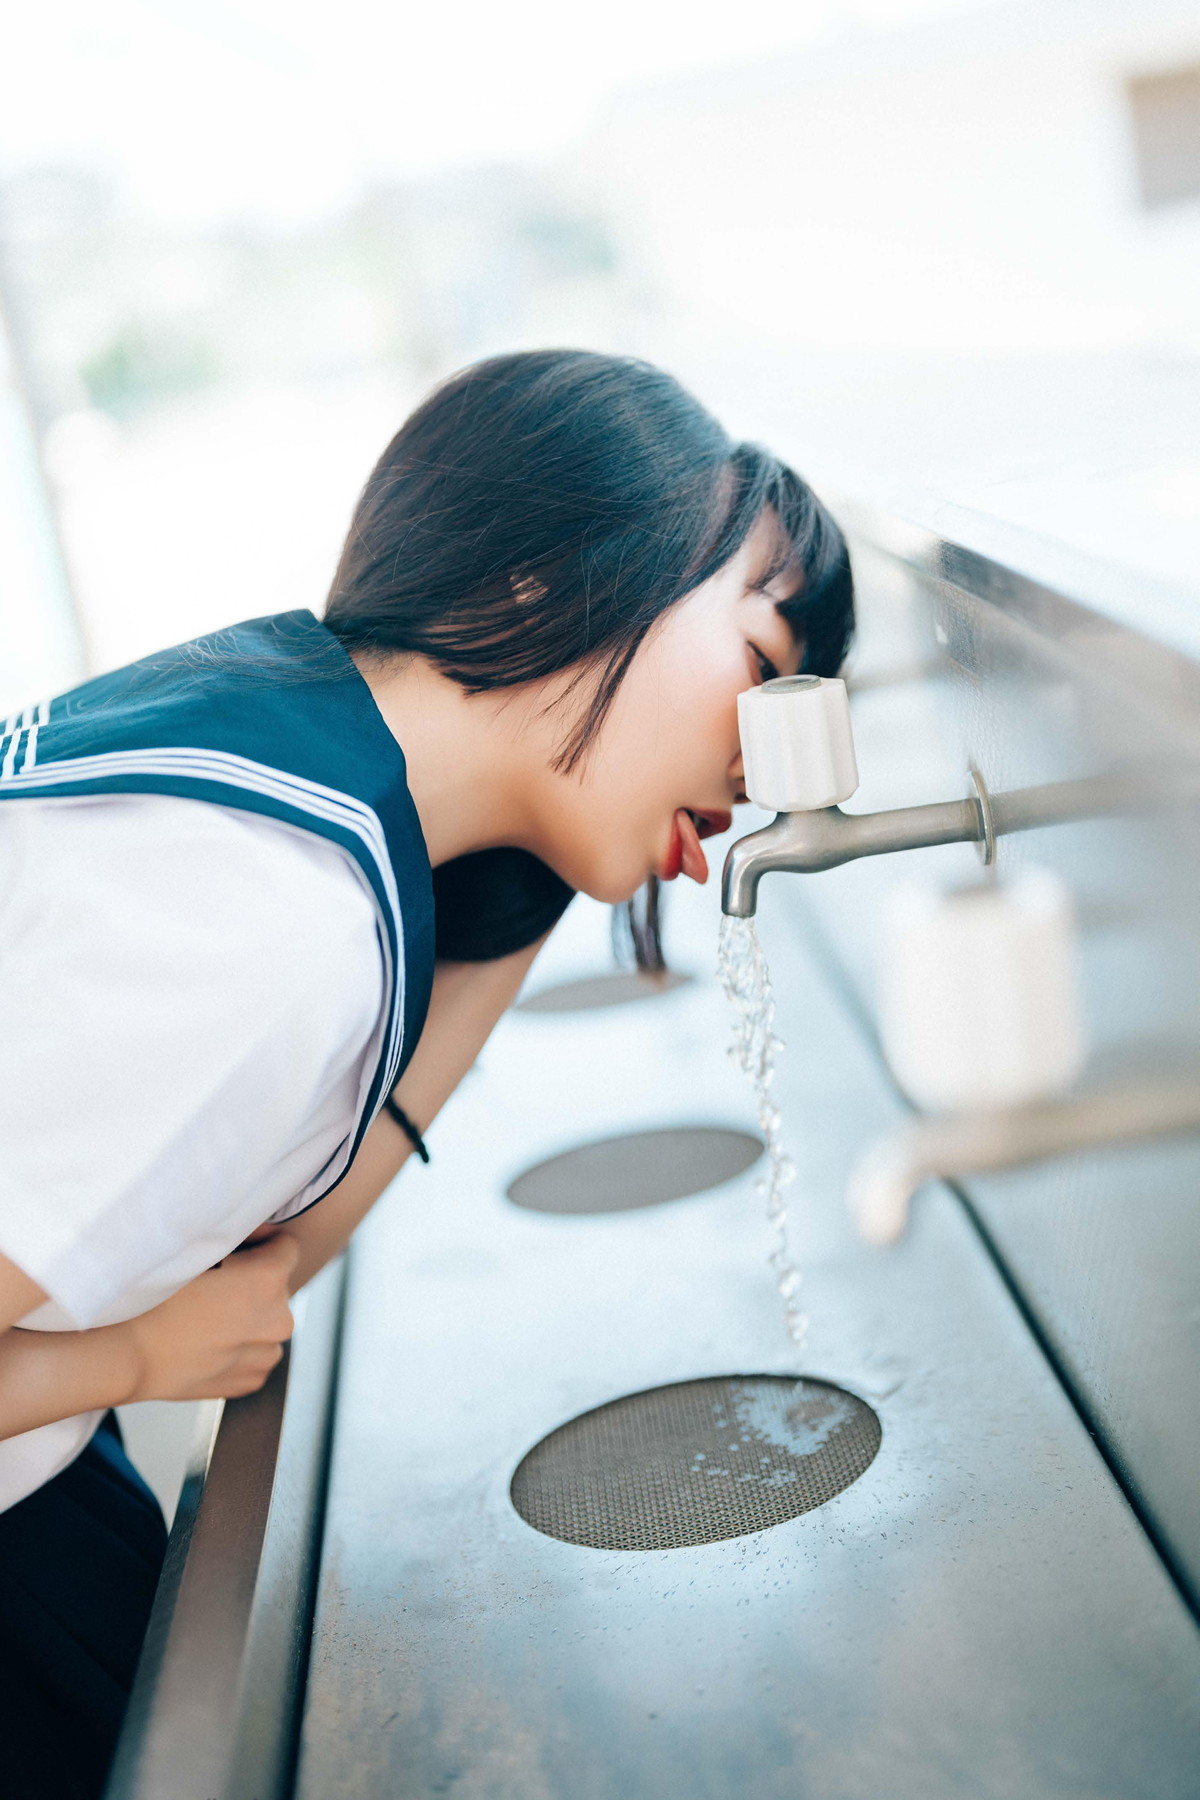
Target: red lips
x,y
685,855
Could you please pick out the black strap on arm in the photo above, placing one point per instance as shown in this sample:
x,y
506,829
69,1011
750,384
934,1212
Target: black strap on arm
x,y
406,1125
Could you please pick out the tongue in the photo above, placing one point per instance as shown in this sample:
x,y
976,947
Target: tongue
x,y
694,861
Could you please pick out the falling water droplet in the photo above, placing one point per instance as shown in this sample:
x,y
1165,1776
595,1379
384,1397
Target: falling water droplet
x,y
742,970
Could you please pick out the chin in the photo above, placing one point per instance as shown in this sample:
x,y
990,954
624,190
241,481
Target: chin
x,y
611,886
613,893
605,864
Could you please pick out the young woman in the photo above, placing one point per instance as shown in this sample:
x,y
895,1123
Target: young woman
x,y
263,897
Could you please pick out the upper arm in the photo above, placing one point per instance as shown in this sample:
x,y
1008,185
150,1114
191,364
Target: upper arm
x,y
467,1001
185,1002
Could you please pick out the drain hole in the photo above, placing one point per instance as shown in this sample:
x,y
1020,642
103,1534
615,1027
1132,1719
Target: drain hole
x,y
640,1168
696,1462
615,989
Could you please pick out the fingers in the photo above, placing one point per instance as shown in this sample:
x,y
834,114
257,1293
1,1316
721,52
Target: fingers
x,y
280,1253
265,1358
278,1258
274,1324
250,1372
261,1273
221,1335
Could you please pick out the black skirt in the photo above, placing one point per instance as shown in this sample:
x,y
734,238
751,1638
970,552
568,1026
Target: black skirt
x,y
79,1563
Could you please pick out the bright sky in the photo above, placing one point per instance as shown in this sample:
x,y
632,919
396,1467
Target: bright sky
x,y
205,109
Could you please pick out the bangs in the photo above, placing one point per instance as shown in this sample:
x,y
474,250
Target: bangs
x,y
821,612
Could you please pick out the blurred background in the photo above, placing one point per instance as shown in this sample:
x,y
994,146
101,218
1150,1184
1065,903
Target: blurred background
x,y
927,248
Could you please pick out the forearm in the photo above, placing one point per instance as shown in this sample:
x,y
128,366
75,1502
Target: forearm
x,y
467,1000
48,1375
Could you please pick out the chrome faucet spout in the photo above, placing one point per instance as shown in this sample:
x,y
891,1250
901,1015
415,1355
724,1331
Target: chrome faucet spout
x,y
882,1185
807,842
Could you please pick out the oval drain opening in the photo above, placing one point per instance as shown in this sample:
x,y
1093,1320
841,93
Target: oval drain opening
x,y
617,988
639,1168
696,1462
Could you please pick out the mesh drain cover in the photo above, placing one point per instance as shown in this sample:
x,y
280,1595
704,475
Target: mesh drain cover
x,y
614,989
696,1462
639,1168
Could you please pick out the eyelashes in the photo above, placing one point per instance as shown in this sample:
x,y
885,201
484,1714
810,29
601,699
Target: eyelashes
x,y
766,667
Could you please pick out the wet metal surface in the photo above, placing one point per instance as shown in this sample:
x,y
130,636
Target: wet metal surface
x,y
978,1616
636,1168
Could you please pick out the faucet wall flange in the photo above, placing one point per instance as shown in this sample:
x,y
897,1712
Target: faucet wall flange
x,y
987,818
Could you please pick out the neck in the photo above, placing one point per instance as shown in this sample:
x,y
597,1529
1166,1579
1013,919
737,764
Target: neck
x,y
467,756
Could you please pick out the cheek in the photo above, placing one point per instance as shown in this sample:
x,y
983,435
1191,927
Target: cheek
x,y
700,736
683,715
669,739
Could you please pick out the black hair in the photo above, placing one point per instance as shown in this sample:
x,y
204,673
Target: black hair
x,y
540,511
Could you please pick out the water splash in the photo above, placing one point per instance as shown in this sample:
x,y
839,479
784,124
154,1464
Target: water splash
x,y
743,973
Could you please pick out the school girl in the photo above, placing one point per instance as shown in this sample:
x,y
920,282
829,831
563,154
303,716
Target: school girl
x,y
263,897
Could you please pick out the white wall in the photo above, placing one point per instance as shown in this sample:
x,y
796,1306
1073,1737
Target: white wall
x,y
966,184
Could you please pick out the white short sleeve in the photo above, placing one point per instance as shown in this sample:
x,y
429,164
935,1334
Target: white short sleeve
x,y
190,1010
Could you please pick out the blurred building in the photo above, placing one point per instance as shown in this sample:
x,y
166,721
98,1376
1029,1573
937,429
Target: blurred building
x,y
209,401
1016,176
960,254
956,259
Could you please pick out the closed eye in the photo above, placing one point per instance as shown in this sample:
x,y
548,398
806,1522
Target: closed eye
x,y
766,668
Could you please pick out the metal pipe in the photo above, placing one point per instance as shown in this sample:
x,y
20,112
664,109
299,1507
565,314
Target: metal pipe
x,y
807,842
883,1183
216,1702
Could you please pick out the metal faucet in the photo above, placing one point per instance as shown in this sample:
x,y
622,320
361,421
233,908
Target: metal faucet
x,y
806,842
798,754
798,757
883,1183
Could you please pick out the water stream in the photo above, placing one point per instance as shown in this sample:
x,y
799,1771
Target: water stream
x,y
743,973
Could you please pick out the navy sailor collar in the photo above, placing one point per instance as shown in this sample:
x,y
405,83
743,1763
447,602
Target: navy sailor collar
x,y
270,716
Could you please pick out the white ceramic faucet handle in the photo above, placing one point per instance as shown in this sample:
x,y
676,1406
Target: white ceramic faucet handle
x,y
797,745
979,997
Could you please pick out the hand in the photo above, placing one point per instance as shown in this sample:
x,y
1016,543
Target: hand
x,y
221,1335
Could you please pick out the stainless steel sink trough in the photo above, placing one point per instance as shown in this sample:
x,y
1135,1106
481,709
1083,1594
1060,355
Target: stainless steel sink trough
x,y
559,1513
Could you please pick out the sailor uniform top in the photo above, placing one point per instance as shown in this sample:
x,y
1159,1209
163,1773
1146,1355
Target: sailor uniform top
x,y
217,940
